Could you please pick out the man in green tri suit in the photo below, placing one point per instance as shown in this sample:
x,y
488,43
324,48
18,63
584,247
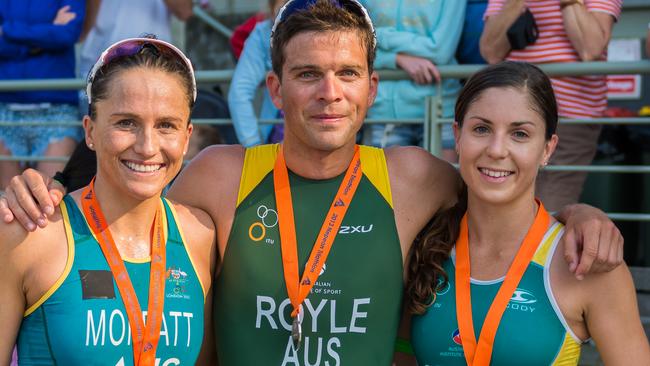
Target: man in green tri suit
x,y
323,80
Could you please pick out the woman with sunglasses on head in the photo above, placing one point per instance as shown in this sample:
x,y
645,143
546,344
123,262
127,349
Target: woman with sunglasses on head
x,y
113,279
503,295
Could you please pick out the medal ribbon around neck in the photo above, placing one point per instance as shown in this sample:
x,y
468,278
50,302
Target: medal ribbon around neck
x,y
145,338
480,355
298,289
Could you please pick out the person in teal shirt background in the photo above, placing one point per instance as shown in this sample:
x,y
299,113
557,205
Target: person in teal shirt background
x,y
415,36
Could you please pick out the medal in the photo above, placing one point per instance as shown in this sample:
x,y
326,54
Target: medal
x,y
145,336
296,333
480,353
298,289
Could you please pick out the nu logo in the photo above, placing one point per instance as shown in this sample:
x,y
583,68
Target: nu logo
x,y
268,219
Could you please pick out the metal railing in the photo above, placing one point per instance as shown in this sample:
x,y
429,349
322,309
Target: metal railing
x,y
432,120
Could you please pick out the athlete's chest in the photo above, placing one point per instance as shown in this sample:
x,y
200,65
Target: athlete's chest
x,y
529,331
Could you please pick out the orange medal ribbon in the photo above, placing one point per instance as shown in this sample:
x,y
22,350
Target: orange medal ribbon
x,y
298,289
481,354
145,339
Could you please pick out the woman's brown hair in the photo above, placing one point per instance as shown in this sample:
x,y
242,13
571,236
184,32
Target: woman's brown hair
x,y
430,249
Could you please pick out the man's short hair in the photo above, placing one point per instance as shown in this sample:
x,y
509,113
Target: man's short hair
x,y
320,16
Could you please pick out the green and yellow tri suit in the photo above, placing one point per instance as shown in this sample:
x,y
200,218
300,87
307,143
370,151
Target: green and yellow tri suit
x,y
352,313
533,330
81,320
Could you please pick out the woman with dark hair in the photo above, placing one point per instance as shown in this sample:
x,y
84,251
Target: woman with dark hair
x,y
503,294
113,279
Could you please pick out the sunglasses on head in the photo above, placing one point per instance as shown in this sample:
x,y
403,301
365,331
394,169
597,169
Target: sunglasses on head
x,y
293,6
133,46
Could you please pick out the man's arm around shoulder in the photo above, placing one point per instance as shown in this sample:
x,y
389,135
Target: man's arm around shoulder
x,y
421,184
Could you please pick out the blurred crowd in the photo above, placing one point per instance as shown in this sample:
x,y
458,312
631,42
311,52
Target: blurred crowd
x,y
38,38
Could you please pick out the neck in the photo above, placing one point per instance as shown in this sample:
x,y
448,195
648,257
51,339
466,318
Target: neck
x,y
317,164
499,228
129,220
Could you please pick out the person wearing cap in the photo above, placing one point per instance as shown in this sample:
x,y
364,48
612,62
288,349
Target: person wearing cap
x,y
113,279
312,234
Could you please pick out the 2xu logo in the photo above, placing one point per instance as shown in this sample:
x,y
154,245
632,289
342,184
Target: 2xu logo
x,y
361,229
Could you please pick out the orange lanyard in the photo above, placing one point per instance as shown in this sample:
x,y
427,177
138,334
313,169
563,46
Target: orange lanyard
x,y
480,355
145,339
298,289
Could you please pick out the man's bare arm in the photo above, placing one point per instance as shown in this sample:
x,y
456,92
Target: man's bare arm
x,y
592,243
211,182
421,184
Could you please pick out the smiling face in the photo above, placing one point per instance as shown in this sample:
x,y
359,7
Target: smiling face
x,y
140,132
325,90
501,144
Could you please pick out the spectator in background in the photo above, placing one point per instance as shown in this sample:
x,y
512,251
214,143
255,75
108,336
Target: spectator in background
x,y
250,73
468,51
37,42
242,31
414,36
120,19
569,31
112,20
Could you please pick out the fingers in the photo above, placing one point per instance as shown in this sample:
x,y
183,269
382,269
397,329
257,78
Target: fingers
x,y
428,72
621,246
590,245
610,249
17,211
56,191
436,73
616,253
605,248
416,76
612,258
570,249
37,184
64,16
22,192
5,212
422,71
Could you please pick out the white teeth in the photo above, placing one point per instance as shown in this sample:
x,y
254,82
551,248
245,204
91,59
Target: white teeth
x,y
494,173
141,168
